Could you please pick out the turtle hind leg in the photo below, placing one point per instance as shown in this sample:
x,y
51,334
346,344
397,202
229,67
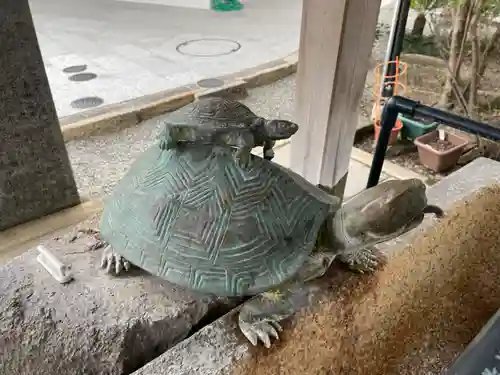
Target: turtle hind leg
x,y
167,142
259,318
113,262
173,137
364,259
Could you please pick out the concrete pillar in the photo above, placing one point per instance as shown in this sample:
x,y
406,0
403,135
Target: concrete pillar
x,y
334,57
35,174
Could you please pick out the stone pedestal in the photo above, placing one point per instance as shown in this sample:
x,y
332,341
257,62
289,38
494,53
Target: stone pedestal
x,y
97,323
217,348
35,174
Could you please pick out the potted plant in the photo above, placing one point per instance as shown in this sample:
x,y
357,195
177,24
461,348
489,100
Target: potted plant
x,y
414,127
440,150
394,131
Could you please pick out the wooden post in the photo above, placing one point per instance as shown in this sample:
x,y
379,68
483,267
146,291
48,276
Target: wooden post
x,y
334,57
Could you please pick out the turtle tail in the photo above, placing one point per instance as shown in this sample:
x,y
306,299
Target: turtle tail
x,y
432,209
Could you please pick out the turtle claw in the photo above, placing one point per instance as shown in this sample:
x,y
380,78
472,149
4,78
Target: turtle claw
x,y
113,262
364,260
261,331
269,154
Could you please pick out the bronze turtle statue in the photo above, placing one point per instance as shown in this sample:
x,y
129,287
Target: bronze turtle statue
x,y
219,121
202,221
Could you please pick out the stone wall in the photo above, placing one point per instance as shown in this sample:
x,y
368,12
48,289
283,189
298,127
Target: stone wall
x,y
35,174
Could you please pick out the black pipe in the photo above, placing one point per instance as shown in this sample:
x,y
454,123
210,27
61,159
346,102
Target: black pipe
x,y
394,48
405,106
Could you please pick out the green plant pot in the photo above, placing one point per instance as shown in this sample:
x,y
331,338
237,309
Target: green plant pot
x,y
415,127
226,5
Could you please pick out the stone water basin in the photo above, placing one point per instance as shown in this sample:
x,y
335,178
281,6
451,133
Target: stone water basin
x,y
415,316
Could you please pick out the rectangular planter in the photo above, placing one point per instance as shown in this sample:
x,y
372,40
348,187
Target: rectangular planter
x,y
415,127
439,161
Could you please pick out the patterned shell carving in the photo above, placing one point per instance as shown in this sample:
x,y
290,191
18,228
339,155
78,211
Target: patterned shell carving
x,y
213,112
198,220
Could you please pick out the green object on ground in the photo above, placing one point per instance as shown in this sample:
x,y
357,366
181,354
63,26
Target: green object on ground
x,y
415,127
226,5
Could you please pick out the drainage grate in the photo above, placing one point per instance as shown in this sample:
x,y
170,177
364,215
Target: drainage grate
x,y
82,77
210,83
208,47
87,102
75,69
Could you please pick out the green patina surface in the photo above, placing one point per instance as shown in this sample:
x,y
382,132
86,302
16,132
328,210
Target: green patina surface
x,y
201,221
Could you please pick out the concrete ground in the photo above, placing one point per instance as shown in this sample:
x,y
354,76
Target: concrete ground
x,y
132,48
136,48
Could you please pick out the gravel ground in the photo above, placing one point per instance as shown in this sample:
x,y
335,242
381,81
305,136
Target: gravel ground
x,y
100,162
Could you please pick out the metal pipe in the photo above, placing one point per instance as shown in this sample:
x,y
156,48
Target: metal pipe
x,y
395,46
405,106
390,43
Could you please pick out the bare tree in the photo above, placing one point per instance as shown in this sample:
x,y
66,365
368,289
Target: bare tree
x,y
472,43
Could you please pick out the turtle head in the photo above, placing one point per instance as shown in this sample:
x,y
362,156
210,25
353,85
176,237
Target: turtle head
x,y
277,129
386,211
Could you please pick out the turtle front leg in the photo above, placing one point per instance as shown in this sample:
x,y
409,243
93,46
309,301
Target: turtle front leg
x,y
244,146
113,262
259,318
364,259
268,150
243,157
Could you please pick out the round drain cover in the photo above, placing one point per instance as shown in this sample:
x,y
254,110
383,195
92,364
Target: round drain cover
x,y
75,69
81,77
208,47
210,83
87,102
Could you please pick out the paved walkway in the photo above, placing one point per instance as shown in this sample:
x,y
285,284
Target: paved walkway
x,y
131,48
137,49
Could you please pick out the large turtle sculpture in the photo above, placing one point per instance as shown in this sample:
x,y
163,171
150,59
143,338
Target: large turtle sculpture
x,y
200,220
216,120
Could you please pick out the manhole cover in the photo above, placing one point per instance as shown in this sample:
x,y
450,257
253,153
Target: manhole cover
x,y
208,47
81,77
75,69
210,83
87,102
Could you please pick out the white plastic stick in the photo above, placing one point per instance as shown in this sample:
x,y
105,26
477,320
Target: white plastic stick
x,y
442,134
54,266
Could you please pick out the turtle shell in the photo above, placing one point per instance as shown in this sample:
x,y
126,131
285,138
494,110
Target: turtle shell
x,y
212,112
200,221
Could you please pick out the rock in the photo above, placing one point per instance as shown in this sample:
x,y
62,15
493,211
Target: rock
x,y
96,324
209,352
216,348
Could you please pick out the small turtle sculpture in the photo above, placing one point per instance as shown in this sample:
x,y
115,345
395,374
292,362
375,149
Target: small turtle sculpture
x,y
227,122
201,221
